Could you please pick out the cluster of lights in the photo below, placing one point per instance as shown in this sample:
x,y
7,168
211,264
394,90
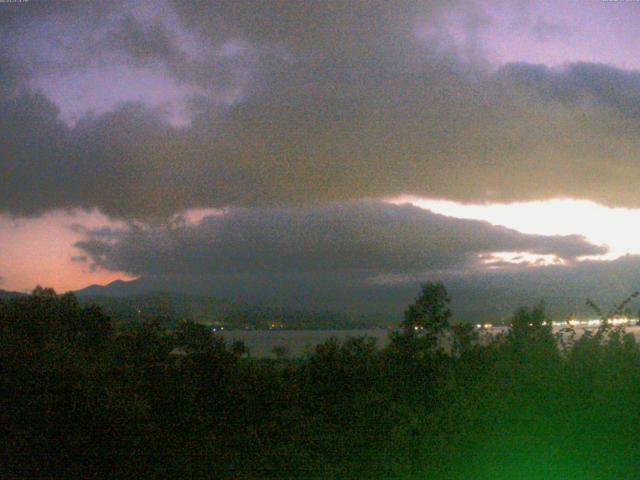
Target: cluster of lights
x,y
594,322
484,326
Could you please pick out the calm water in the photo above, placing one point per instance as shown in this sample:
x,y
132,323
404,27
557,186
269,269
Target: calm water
x,y
297,342
262,342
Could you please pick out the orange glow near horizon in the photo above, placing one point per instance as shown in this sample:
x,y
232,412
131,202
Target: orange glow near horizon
x,y
40,251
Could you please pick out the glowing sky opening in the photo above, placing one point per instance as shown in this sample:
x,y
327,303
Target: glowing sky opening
x,y
40,251
282,109
498,259
27,260
599,224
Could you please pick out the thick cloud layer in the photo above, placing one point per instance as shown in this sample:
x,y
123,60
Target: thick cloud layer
x,y
368,238
363,258
292,105
358,257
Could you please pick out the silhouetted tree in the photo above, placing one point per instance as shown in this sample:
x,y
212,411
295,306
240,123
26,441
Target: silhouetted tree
x,y
197,338
531,334
79,402
429,315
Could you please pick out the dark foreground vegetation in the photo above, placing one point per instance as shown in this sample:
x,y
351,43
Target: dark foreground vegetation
x,y
82,401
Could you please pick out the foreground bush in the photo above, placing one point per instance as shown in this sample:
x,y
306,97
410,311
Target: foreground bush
x,y
82,401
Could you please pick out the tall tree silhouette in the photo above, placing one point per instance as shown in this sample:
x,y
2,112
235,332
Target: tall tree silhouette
x,y
429,315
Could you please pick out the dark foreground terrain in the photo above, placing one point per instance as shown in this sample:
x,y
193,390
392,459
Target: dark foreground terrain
x,y
79,400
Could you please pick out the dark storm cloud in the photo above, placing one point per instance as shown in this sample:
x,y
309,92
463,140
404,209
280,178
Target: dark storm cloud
x,y
333,30
34,152
146,44
9,76
365,237
154,44
46,37
331,102
581,84
363,257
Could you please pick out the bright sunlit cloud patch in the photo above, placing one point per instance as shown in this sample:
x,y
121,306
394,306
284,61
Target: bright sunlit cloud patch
x,y
194,216
614,227
500,259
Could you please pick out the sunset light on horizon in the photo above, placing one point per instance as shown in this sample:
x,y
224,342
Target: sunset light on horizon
x,y
211,148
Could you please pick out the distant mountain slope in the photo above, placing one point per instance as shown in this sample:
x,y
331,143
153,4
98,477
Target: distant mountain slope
x,y
171,307
118,288
4,294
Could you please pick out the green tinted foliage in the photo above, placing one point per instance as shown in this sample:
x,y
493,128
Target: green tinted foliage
x,y
32,323
78,401
430,313
530,335
464,338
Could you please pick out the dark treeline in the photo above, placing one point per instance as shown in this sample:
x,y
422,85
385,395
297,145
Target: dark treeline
x,y
80,400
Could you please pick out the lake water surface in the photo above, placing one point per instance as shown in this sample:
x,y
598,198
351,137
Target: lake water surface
x,y
297,342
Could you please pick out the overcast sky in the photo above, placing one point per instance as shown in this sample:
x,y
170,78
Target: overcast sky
x,y
360,145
